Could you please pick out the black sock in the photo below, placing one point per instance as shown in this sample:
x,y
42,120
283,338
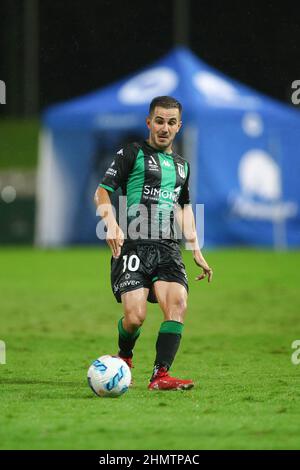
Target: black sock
x,y
126,340
167,344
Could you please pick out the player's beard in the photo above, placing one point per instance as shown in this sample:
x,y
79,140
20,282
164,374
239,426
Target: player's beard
x,y
163,144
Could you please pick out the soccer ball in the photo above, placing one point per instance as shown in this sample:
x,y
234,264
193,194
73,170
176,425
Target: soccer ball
x,y
109,376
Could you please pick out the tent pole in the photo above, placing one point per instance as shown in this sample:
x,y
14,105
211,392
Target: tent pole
x,y
189,151
181,22
31,63
279,225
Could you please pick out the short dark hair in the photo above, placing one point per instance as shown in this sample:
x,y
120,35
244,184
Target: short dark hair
x,y
165,102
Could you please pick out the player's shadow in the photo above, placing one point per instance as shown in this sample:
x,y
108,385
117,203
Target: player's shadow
x,y
75,393
37,382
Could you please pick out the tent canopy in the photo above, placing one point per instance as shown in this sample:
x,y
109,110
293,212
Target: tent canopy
x,y
181,74
242,147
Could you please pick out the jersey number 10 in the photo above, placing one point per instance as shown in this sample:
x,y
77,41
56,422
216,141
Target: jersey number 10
x,y
133,263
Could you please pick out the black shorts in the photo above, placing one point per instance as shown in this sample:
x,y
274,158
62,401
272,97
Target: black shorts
x,y
140,265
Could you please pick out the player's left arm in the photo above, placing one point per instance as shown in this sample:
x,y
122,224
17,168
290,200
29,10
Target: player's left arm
x,y
186,220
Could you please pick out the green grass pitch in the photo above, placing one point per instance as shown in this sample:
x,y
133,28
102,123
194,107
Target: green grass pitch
x,y
58,314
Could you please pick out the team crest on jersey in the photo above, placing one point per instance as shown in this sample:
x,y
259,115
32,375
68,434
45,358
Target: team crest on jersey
x,y
181,170
120,152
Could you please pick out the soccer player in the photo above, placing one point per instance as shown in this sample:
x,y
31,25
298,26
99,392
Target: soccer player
x,y
146,261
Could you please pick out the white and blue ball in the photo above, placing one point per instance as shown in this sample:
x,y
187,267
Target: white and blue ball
x,y
109,376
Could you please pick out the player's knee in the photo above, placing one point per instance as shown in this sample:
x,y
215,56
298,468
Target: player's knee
x,y
135,319
180,305
177,309
135,322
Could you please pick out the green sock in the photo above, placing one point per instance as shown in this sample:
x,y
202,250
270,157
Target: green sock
x,y
126,340
167,343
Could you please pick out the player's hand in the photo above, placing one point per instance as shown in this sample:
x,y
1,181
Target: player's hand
x,y
207,271
115,240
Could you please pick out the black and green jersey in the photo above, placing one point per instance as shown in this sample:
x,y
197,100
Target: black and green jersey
x,y
154,183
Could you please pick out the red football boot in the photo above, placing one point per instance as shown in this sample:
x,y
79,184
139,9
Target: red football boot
x,y
128,361
162,381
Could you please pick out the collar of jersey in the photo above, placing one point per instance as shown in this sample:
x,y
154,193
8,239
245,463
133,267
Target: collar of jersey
x,y
170,155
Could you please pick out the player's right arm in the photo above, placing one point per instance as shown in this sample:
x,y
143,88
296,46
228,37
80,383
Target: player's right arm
x,y
114,235
116,175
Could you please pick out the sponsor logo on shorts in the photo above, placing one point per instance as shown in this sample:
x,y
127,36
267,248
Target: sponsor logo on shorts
x,y
131,283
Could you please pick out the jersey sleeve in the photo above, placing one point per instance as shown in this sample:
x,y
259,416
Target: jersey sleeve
x,y
118,171
184,197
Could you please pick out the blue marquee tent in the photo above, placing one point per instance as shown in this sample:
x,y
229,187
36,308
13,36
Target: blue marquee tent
x,y
242,146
